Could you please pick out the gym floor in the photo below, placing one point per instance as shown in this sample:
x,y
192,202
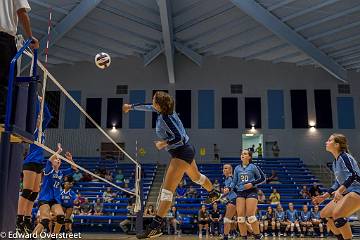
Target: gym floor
x,y
183,237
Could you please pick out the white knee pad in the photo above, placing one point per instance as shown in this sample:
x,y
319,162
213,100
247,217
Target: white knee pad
x,y
166,195
201,180
292,224
297,225
241,219
320,225
251,219
227,220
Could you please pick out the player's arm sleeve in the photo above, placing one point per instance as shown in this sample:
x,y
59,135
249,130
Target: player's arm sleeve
x,y
260,176
349,172
170,124
234,180
334,187
147,107
48,168
46,117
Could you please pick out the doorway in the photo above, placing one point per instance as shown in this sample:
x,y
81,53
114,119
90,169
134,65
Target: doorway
x,y
250,140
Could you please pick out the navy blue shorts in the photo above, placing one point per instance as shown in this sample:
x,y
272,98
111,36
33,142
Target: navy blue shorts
x,y
250,193
185,153
232,201
33,167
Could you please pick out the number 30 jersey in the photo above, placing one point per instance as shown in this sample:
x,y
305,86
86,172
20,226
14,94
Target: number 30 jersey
x,y
247,174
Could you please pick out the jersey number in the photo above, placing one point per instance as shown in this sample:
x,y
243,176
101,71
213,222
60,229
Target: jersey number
x,y
56,184
244,178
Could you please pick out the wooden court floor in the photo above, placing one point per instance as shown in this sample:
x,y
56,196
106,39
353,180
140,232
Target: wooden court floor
x,y
166,237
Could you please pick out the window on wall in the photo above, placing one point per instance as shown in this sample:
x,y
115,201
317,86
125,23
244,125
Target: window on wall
x,y
183,106
154,114
52,99
93,108
323,109
253,112
229,113
299,111
114,112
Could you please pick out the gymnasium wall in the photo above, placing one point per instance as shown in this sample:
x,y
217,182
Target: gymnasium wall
x,y
257,77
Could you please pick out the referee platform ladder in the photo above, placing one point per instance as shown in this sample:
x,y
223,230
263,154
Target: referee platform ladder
x,y
16,132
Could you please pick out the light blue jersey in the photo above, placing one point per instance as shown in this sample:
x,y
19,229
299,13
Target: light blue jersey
x,y
347,173
315,215
292,216
280,216
51,183
168,127
227,183
36,153
305,216
249,174
67,198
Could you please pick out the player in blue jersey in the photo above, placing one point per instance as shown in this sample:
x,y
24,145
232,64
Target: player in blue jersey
x,y
68,197
247,176
174,139
49,196
32,170
346,189
269,219
317,221
305,221
230,200
280,219
292,218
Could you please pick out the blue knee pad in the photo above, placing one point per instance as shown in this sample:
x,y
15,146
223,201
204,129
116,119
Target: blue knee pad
x,y
340,222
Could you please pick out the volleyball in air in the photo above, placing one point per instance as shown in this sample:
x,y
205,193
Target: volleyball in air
x,y
102,60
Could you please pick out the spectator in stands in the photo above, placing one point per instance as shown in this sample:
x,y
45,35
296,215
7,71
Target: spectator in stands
x,y
125,224
216,152
215,218
252,148
315,190
203,220
305,194
273,179
317,221
126,182
261,197
87,178
259,151
274,197
77,203
109,195
280,219
119,178
86,208
149,211
305,222
191,193
174,220
180,191
292,217
98,207
216,185
269,219
77,176
108,176
275,149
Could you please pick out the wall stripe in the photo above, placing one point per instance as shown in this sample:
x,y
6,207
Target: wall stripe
x,y
276,117
72,113
137,118
345,111
206,109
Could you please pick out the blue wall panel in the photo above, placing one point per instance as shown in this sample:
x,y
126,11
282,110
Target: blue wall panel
x,y
72,113
206,107
137,118
276,117
345,111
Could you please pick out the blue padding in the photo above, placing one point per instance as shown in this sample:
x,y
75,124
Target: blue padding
x,y
276,116
72,113
137,118
206,109
345,110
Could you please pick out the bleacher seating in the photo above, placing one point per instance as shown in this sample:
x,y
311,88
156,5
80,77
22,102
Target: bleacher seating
x,y
292,174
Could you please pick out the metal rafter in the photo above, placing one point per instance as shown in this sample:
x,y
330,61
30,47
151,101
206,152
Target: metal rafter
x,y
263,16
